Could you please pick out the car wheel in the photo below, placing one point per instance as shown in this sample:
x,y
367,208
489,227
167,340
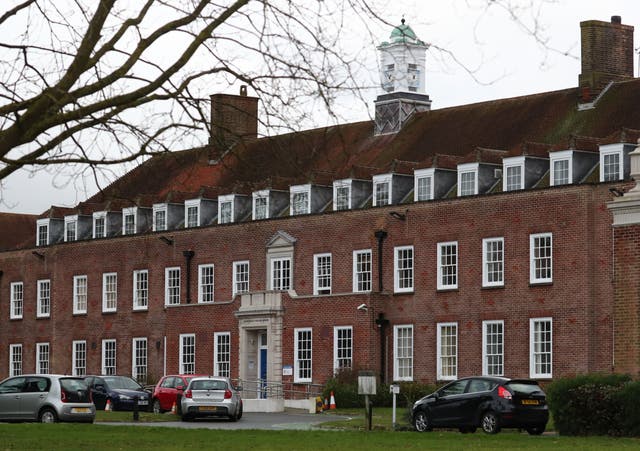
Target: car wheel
x,y
536,430
48,416
156,406
490,423
240,413
186,418
421,421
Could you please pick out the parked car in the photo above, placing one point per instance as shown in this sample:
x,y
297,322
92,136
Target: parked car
x,y
491,403
121,391
166,391
47,398
211,396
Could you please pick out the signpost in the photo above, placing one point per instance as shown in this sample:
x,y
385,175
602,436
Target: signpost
x,y
366,387
395,389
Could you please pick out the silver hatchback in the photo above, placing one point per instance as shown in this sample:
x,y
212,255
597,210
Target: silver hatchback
x,y
211,396
46,398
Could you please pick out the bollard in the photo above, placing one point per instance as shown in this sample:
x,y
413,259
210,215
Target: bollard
x,y
136,409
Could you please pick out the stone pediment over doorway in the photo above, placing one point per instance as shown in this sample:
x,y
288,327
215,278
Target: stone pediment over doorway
x,y
281,239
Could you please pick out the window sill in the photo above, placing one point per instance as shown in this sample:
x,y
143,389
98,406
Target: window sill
x,y
493,287
140,309
42,317
446,290
79,313
540,284
401,293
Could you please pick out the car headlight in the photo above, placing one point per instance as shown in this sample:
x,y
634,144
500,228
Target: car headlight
x,y
125,397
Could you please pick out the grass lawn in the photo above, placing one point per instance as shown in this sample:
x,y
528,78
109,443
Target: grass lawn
x,y
33,436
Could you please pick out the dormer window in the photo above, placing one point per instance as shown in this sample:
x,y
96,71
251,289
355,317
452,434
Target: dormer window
x,y
100,224
513,174
225,209
468,179
300,204
159,217
42,238
71,228
611,163
129,221
260,205
381,190
423,184
192,213
561,168
342,195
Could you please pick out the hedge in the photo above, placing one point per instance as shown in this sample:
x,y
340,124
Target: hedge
x,y
595,404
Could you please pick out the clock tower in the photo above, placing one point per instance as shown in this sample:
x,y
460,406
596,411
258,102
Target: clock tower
x,y
402,67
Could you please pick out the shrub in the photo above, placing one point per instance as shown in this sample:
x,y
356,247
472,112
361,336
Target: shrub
x,y
587,404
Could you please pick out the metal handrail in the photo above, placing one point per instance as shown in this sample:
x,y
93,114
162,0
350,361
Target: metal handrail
x,y
261,388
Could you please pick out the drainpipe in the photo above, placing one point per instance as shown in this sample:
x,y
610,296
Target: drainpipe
x,y
382,323
188,255
380,236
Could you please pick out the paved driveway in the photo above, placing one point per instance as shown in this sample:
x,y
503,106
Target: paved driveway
x,y
250,420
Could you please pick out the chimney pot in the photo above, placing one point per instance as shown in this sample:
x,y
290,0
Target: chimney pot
x,y
616,19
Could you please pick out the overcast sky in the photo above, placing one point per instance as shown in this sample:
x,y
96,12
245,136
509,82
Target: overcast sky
x,y
507,60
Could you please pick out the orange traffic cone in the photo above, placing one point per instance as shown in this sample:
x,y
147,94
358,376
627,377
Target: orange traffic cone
x,y
174,410
333,402
108,407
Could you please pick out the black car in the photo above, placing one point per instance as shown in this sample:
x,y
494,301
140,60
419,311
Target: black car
x,y
491,403
121,392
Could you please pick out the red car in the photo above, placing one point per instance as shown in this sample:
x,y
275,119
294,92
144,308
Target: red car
x,y
167,389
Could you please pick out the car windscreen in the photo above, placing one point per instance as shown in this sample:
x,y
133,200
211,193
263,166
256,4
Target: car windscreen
x,y
208,385
122,383
524,387
75,389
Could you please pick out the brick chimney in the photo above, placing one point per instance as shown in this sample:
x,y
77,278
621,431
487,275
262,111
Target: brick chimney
x,y
233,118
607,55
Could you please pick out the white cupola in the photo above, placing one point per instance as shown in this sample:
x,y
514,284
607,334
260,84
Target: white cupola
x,y
402,68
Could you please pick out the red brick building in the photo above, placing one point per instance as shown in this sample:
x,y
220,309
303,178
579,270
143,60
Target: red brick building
x,y
425,245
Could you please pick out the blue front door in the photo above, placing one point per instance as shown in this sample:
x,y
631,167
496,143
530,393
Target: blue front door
x,y
263,365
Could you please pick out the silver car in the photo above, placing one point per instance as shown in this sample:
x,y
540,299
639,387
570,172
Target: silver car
x,y
211,396
46,398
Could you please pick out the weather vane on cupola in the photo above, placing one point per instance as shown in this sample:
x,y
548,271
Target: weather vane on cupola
x,y
402,69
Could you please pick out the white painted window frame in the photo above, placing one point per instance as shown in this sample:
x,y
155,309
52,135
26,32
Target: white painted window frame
x,y
167,296
109,345
485,344
317,275
356,273
486,262
137,305
41,311
299,189
421,174
296,361
533,279
183,364
105,280
135,364
218,361
396,353
130,211
510,163
380,180
612,149
532,354
95,217
201,283
337,358
397,269
263,194
440,270
227,199
440,376
341,184
77,308
16,310
468,168
561,156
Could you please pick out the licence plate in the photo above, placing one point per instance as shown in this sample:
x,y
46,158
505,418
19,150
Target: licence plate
x,y
207,408
80,410
530,402
143,402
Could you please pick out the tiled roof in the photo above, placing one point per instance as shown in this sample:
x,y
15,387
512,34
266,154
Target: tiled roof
x,y
487,131
18,231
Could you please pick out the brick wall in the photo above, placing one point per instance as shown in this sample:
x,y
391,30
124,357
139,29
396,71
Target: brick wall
x,y
580,299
